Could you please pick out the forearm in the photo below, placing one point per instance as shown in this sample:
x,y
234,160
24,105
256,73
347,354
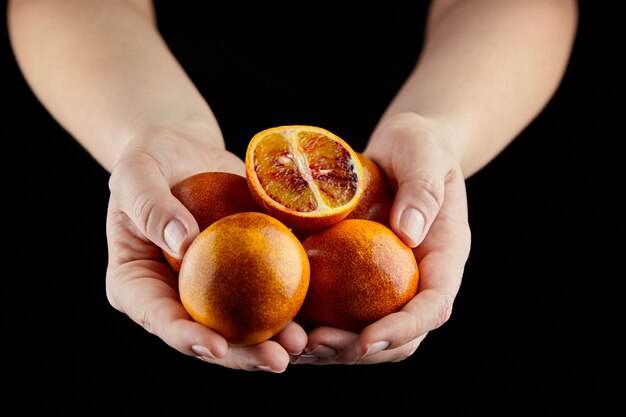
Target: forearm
x,y
487,69
104,72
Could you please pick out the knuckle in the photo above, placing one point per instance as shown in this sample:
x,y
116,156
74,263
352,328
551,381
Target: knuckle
x,y
441,308
406,351
444,311
431,188
114,289
144,210
115,181
144,319
418,325
111,295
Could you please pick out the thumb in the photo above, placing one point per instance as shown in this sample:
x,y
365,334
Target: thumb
x,y
144,194
420,196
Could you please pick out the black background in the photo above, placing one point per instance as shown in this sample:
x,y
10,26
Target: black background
x,y
538,324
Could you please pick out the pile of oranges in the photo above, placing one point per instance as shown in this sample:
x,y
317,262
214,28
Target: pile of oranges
x,y
303,236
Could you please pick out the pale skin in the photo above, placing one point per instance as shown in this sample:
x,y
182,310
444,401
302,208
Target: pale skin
x,y
488,67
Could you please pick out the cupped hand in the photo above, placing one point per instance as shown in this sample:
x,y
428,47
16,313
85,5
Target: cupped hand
x,y
430,215
143,219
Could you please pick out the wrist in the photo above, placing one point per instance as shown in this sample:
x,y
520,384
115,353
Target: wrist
x,y
166,143
411,126
190,131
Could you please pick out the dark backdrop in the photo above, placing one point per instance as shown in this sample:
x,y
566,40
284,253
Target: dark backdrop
x,y
538,322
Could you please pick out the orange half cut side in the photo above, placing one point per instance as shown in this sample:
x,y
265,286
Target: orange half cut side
x,y
305,176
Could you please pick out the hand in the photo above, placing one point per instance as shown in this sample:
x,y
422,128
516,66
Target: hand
x,y
430,215
143,218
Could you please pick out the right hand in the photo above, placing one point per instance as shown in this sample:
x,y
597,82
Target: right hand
x,y
143,219
411,150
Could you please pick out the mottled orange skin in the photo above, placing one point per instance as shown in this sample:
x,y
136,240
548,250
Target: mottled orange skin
x,y
301,222
245,276
209,196
360,272
377,198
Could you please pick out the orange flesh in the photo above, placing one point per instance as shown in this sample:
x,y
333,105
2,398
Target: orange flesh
x,y
305,171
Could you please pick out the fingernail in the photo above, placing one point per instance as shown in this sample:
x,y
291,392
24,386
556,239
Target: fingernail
x,y
322,351
412,225
376,347
267,369
174,235
303,359
201,351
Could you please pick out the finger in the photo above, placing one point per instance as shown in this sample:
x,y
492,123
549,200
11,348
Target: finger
x,y
140,285
328,345
335,346
143,193
292,338
137,289
421,177
267,356
149,299
393,355
153,305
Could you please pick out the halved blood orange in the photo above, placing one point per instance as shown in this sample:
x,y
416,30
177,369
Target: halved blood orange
x,y
305,176
378,194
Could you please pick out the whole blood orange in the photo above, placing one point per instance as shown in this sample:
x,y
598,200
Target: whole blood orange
x,y
305,176
377,198
209,196
245,276
360,272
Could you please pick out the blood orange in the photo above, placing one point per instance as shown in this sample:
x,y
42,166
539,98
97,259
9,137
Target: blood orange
x,y
209,196
360,272
305,176
245,276
377,198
